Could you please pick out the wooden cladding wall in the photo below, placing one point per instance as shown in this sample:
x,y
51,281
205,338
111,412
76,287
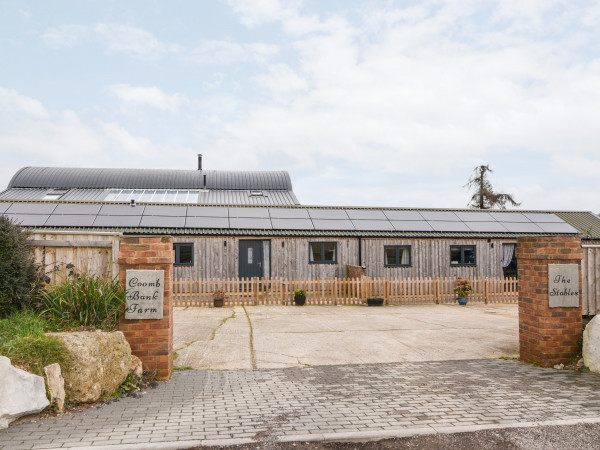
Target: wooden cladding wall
x,y
590,281
218,257
431,258
93,253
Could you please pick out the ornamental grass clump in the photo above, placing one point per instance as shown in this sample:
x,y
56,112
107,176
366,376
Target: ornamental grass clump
x,y
83,300
463,287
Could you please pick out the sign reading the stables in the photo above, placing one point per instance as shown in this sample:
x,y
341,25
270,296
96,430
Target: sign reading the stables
x,y
563,285
145,294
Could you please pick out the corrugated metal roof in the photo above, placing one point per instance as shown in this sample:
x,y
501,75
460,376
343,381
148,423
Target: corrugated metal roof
x,y
92,178
23,194
587,223
222,197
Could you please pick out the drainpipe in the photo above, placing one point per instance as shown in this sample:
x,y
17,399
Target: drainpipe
x,y
360,251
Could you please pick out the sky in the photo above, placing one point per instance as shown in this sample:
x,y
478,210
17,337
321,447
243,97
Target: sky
x,y
364,103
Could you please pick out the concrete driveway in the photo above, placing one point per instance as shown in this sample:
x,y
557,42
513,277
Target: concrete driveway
x,y
289,336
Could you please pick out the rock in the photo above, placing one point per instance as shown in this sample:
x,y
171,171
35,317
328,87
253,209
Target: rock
x,y
591,344
559,366
100,362
21,393
56,386
580,364
136,366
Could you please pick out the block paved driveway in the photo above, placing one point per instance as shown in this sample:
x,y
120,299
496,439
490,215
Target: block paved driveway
x,y
335,402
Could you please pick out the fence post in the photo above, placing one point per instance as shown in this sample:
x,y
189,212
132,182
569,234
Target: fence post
x,y
485,290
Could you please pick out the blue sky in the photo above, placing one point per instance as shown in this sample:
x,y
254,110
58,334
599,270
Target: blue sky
x,y
375,103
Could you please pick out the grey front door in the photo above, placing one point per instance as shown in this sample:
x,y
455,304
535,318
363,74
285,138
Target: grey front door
x,y
251,259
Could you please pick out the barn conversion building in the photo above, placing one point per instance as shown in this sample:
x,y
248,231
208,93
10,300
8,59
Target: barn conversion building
x,y
250,224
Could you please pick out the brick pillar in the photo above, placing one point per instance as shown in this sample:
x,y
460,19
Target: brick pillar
x,y
547,336
151,340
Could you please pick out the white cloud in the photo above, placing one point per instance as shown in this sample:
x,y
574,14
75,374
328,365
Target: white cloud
x,y
226,52
118,38
11,100
150,96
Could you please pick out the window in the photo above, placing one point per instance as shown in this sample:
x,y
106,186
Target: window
x,y
397,255
462,255
322,252
54,194
184,254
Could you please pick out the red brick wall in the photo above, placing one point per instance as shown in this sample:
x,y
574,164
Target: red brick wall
x,y
151,339
547,336
355,271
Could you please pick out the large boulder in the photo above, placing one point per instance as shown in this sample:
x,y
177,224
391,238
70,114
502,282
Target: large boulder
x,y
591,345
21,393
100,362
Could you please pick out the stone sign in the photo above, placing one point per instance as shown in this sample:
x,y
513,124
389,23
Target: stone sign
x,y
563,285
145,294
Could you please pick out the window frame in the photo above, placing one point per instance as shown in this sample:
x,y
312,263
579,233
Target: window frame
x,y
462,255
322,244
177,248
397,248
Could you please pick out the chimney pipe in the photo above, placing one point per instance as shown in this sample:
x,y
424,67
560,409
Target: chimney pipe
x,y
199,161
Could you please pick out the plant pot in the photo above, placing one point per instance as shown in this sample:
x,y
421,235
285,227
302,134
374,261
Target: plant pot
x,y
462,301
375,301
218,302
299,301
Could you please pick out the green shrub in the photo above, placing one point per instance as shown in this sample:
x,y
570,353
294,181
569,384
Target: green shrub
x,y
22,339
19,280
84,300
301,293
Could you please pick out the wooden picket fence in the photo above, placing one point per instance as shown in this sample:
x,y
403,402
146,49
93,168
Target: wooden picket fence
x,y
339,291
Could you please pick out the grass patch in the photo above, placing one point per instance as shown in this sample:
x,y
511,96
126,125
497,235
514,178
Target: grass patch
x,y
22,339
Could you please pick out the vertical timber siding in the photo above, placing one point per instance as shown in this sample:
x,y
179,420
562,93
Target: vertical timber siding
x,y
590,281
289,258
72,249
431,258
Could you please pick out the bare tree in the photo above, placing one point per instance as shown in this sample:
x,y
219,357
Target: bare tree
x,y
484,196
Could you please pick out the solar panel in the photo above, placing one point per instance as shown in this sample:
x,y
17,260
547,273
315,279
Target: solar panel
x,y
331,214
365,214
519,227
249,212
171,211
509,217
31,208
445,216
326,224
255,223
28,220
411,225
75,208
439,225
117,221
557,227
71,220
543,217
291,213
121,210
292,224
207,222
373,225
403,215
4,207
207,211
468,216
482,227
163,222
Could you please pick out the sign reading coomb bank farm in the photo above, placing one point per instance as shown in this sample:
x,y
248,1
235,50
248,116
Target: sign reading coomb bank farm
x,y
563,285
145,294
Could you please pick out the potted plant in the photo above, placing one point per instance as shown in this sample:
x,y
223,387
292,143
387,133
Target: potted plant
x,y
299,297
374,301
462,288
218,298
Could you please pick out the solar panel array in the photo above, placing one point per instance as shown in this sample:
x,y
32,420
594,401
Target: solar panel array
x,y
313,219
